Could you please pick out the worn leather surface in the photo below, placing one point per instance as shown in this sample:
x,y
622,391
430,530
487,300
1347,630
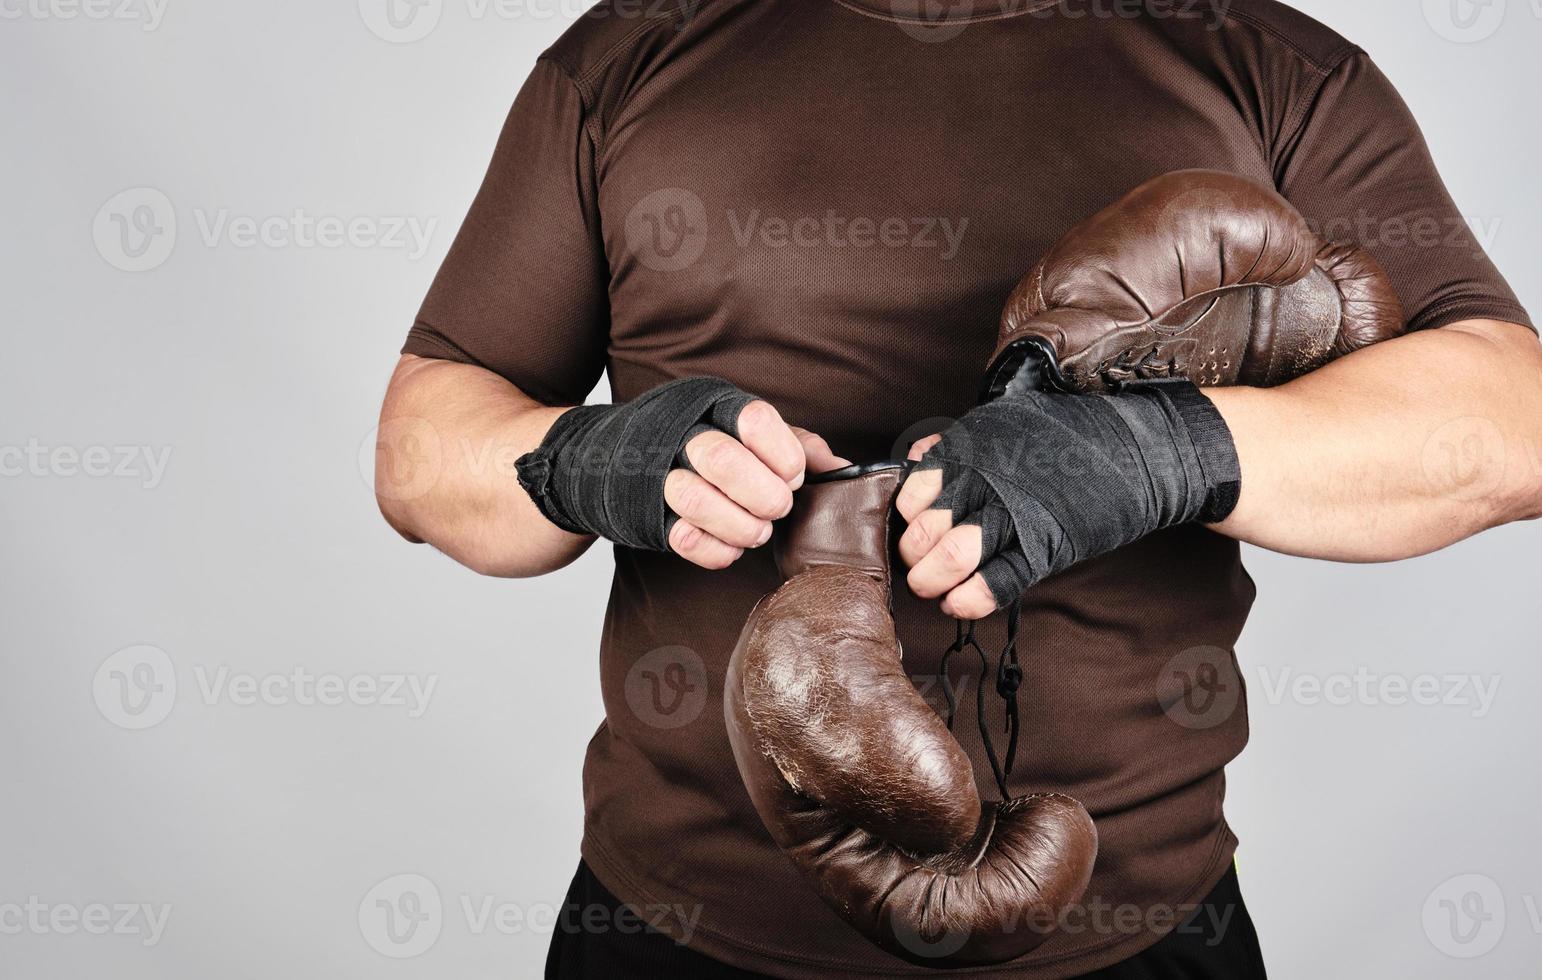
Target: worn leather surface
x,y
1197,274
859,781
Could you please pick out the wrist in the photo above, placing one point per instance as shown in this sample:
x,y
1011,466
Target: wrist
x,y
1216,447
602,469
1197,421
543,471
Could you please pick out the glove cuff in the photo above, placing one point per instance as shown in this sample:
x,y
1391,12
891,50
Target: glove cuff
x,y
1212,439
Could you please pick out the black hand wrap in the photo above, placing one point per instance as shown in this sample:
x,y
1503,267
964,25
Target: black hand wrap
x,y
601,468
1054,479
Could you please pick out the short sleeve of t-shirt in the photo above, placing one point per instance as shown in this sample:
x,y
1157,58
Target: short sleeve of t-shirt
x,y
1358,167
523,291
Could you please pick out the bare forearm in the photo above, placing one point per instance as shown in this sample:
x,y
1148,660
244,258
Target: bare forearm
x,y
444,473
1395,451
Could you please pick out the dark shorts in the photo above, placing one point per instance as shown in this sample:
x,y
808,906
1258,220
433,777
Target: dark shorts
x,y
1200,949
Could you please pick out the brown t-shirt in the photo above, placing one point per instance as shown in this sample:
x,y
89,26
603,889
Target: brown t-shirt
x,y
827,202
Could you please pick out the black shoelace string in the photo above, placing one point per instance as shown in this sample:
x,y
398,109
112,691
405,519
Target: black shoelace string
x,y
1009,678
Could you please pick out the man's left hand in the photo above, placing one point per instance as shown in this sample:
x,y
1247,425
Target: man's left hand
x,y
1032,483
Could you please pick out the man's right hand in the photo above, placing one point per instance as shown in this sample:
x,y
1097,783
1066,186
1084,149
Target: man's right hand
x,y
450,434
695,466
736,487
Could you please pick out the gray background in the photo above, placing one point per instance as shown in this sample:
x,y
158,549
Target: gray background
x,y
254,370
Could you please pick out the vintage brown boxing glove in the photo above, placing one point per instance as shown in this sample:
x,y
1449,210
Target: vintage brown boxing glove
x,y
857,778
1093,434
1196,274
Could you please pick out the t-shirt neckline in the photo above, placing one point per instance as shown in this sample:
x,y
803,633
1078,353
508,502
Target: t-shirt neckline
x,y
945,15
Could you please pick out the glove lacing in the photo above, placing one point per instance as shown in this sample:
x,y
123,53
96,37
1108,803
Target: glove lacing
x,y
1009,678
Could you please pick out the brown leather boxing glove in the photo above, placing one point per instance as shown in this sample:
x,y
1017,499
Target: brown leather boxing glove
x,y
857,778
1196,274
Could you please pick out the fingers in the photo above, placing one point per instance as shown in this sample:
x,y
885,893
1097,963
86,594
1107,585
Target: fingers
x,y
820,458
929,527
974,566
700,548
921,490
741,475
740,485
707,508
948,564
772,441
972,600
921,446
